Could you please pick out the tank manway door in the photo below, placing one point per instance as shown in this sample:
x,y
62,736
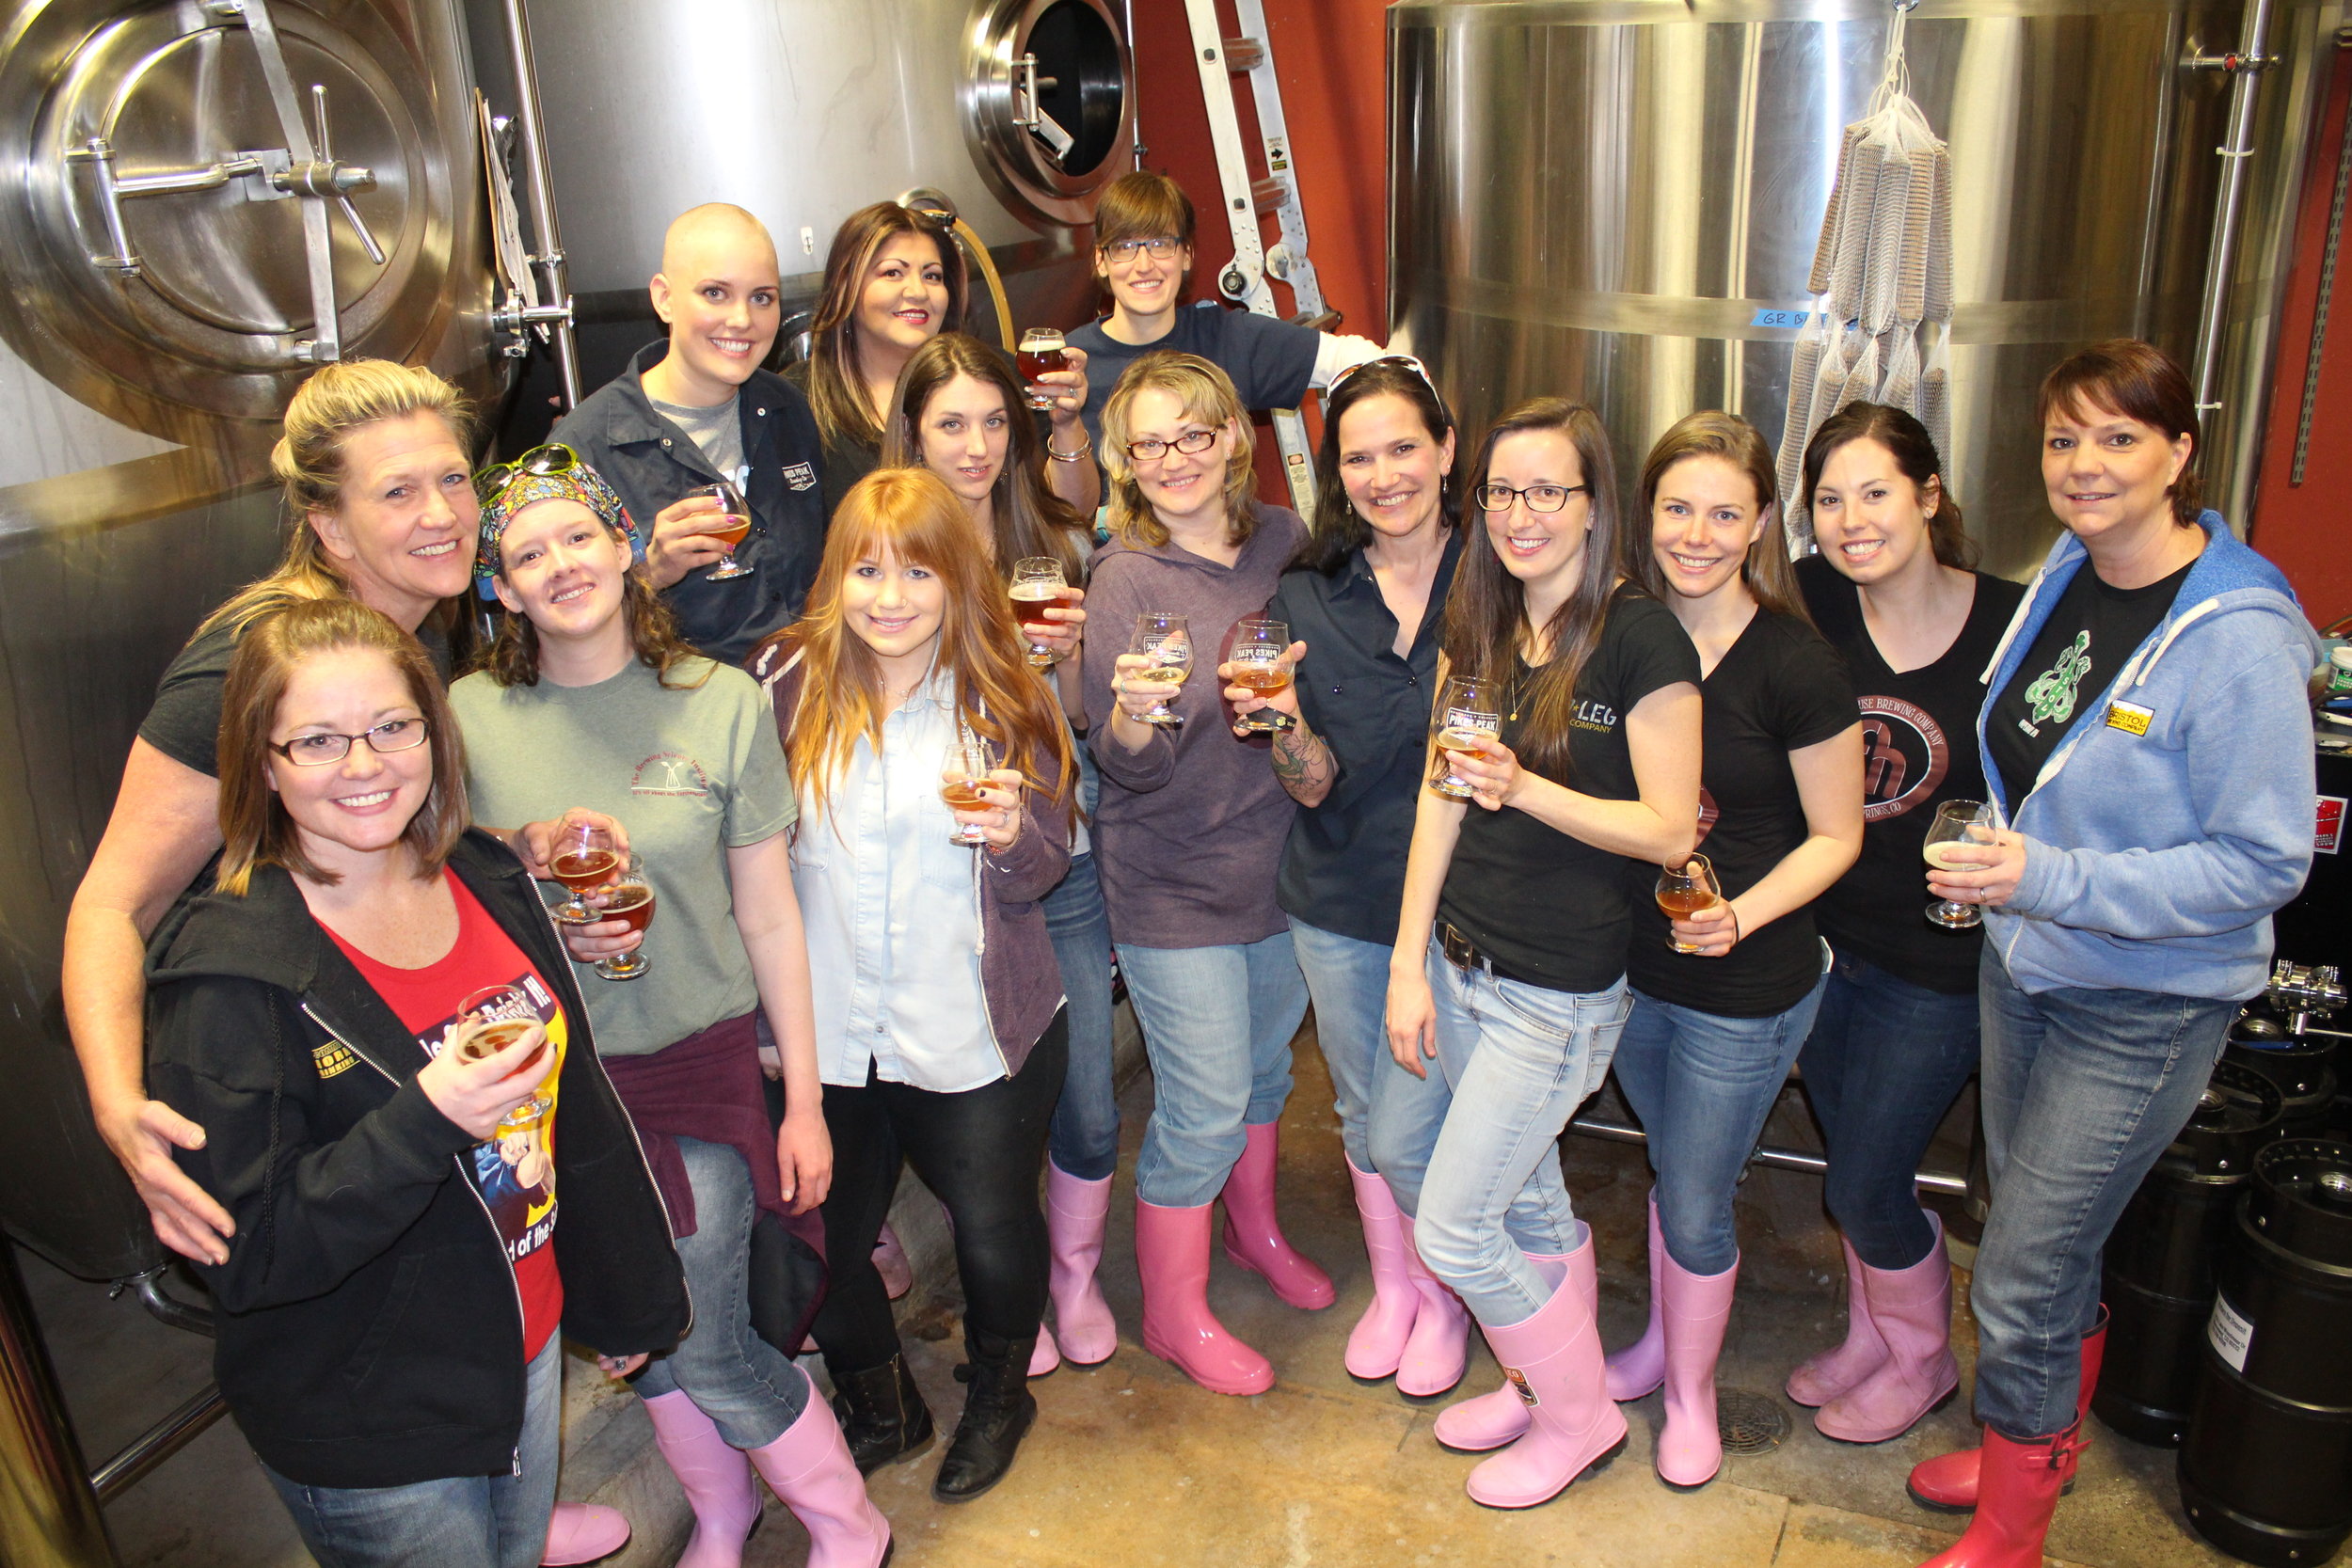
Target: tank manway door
x,y
244,185
1049,102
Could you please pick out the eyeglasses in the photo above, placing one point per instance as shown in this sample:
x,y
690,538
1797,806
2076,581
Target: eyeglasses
x,y
1151,447
553,458
1403,361
317,751
1160,245
1539,497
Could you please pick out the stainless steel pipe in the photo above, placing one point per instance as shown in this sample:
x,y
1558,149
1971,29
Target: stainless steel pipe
x,y
555,282
2246,69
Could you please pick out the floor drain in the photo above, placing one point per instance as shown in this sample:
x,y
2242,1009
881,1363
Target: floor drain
x,y
1749,1423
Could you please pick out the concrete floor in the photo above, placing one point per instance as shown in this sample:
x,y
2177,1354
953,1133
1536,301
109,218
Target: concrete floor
x,y
1132,1463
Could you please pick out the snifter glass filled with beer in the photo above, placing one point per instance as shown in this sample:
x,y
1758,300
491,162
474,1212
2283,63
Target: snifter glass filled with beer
x,y
491,1019
962,778
1261,662
1041,355
1167,642
728,529
1471,712
1958,840
584,858
1038,586
630,899
1683,890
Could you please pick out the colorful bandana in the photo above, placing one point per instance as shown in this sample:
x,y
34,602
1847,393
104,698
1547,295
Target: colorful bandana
x,y
509,492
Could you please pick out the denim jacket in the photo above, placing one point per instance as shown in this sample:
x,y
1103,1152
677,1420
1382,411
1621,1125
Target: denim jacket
x,y
652,463
2176,812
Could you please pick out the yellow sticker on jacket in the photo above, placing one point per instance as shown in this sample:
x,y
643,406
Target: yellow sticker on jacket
x,y
2129,717
333,1057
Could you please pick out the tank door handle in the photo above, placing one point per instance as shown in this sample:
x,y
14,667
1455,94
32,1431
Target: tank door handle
x,y
1035,120
114,189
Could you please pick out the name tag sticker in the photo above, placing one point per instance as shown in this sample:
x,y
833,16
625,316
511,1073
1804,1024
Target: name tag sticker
x,y
2129,717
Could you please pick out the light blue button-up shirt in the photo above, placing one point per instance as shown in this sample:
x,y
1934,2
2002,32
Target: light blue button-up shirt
x,y
892,913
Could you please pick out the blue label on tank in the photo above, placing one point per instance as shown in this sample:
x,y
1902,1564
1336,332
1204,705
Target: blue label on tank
x,y
1780,318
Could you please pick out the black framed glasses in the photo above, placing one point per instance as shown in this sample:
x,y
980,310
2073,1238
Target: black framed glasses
x,y
317,751
553,458
1151,447
1160,246
1539,497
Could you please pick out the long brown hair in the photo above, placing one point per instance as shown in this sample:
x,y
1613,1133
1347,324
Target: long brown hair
x,y
255,830
1337,528
1913,449
331,405
836,379
913,515
1486,615
2139,381
513,656
1205,393
1712,433
1026,517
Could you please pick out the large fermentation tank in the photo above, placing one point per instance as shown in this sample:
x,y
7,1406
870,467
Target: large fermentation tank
x,y
179,256
804,111
1609,198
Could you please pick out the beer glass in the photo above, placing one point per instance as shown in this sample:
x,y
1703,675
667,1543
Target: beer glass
x,y
492,1018
963,777
1956,841
728,529
1165,640
1040,354
630,898
584,858
1038,586
1684,891
1261,661
1472,711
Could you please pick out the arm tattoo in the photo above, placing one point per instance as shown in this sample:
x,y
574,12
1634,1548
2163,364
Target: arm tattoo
x,y
1302,763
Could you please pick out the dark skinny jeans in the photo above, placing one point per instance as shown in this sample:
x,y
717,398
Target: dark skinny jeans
x,y
981,1153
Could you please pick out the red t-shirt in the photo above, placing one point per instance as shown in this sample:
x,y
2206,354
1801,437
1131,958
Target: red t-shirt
x,y
515,1171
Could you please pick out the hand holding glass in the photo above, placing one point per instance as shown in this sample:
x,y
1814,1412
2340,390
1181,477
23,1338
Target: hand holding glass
x,y
1040,354
965,775
631,900
733,522
1261,663
1165,640
1471,712
1955,843
585,857
493,1019
1683,890
1038,586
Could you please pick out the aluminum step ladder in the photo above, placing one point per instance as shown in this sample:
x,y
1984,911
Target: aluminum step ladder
x,y
1246,201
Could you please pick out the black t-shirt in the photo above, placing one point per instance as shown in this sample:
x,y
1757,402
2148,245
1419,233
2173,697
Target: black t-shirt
x,y
1918,751
1777,690
1548,908
185,721
2091,634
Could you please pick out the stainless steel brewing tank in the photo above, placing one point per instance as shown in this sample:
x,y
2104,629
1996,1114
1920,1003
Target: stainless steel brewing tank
x,y
139,405
1607,199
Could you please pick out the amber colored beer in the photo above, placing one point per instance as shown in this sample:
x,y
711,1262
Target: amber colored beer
x,y
729,528
582,872
1264,679
632,903
1681,903
1031,600
1462,741
963,795
1034,363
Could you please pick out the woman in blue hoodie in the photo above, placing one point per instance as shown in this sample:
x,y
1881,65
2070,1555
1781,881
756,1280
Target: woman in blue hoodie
x,y
2146,734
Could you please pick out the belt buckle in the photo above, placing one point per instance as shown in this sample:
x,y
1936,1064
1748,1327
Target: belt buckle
x,y
1457,949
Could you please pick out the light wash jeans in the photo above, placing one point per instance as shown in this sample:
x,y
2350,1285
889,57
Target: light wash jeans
x,y
2082,1090
1218,1023
1084,1140
1702,1086
1388,1118
1520,1059
461,1522
741,1381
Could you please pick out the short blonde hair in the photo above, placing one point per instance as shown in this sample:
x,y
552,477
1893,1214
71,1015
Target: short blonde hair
x,y
1204,393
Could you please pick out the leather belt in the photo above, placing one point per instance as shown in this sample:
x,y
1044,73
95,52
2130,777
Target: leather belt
x,y
1464,954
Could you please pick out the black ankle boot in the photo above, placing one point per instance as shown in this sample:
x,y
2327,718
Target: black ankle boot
x,y
997,1416
882,1414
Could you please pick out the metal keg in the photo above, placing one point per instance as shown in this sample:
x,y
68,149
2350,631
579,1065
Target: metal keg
x,y
2162,1259
2302,1067
2266,1464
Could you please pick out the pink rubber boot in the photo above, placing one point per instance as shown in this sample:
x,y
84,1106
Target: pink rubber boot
x,y
717,1479
1553,1360
1697,1310
582,1532
1047,1355
1635,1371
1488,1421
1437,1352
809,1467
1822,1378
1075,1214
1913,1310
1172,1258
1377,1344
1253,1237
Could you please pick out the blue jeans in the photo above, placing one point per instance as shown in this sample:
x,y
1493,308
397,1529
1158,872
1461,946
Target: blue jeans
x,y
1085,1137
741,1381
460,1522
1388,1118
1702,1086
2082,1090
1884,1062
1519,1059
1218,1023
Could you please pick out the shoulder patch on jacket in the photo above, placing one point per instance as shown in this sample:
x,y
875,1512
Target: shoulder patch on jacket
x,y
333,1059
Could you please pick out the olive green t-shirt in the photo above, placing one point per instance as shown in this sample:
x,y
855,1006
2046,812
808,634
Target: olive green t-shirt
x,y
690,772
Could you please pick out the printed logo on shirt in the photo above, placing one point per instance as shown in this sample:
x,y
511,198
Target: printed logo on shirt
x,y
513,1169
801,476
333,1059
2050,697
670,774
1905,755
1592,715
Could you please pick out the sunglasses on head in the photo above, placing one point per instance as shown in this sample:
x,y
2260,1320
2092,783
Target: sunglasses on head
x,y
553,458
1404,360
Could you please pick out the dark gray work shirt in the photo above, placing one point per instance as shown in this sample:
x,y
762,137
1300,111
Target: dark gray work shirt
x,y
1343,864
1271,362
653,462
